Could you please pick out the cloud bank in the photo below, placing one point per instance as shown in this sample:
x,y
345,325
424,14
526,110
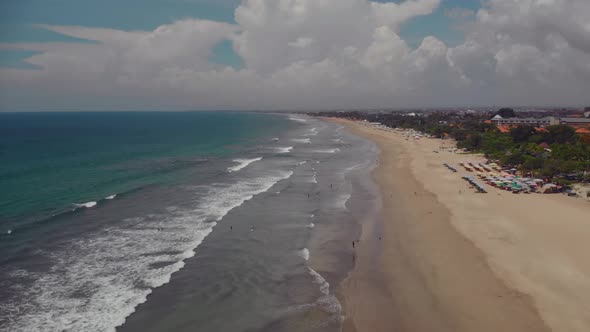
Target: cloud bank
x,y
316,54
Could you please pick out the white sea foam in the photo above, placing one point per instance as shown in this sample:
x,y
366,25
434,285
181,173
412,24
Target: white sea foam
x,y
342,200
286,149
318,279
296,119
311,225
327,301
85,205
327,150
312,132
314,178
304,253
275,139
111,196
302,140
117,268
242,163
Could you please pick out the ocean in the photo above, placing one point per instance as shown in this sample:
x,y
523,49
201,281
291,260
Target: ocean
x,y
177,221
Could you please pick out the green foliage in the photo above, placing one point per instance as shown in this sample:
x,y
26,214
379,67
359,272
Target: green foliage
x,y
558,150
496,142
522,147
571,152
438,130
522,134
459,134
532,163
532,148
480,126
513,158
560,134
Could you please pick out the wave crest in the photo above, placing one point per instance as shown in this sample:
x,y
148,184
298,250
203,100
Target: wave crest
x,y
242,163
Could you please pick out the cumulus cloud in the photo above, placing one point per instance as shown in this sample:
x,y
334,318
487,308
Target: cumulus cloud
x,y
529,51
310,54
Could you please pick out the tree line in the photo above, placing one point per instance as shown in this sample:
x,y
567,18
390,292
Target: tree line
x,y
554,151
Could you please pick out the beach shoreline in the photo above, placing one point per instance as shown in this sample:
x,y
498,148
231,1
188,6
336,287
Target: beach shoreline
x,y
453,260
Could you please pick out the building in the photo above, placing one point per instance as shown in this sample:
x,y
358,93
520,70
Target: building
x,y
535,122
575,122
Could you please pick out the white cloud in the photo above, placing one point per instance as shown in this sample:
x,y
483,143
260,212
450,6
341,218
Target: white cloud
x,y
529,52
306,54
301,42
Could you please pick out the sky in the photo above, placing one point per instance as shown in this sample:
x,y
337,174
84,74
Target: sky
x,y
292,54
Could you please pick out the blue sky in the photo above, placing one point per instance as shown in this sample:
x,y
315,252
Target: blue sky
x,y
18,19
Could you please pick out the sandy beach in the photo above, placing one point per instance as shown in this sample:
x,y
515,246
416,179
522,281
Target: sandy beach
x,y
443,258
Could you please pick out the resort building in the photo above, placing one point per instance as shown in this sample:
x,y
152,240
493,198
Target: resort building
x,y
576,122
535,122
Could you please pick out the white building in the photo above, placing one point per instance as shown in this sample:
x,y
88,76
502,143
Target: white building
x,y
535,122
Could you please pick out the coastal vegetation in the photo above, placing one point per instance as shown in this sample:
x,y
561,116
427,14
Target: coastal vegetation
x,y
554,152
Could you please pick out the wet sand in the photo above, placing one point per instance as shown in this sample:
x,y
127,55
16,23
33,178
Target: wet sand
x,y
453,260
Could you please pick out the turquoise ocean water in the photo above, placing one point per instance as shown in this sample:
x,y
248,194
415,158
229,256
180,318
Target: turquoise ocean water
x,y
51,161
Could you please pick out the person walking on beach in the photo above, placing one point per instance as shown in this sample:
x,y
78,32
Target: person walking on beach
x,y
352,244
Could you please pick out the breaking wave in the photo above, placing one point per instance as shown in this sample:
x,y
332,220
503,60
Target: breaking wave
x,y
304,253
86,205
296,119
97,281
286,149
302,140
242,163
327,151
